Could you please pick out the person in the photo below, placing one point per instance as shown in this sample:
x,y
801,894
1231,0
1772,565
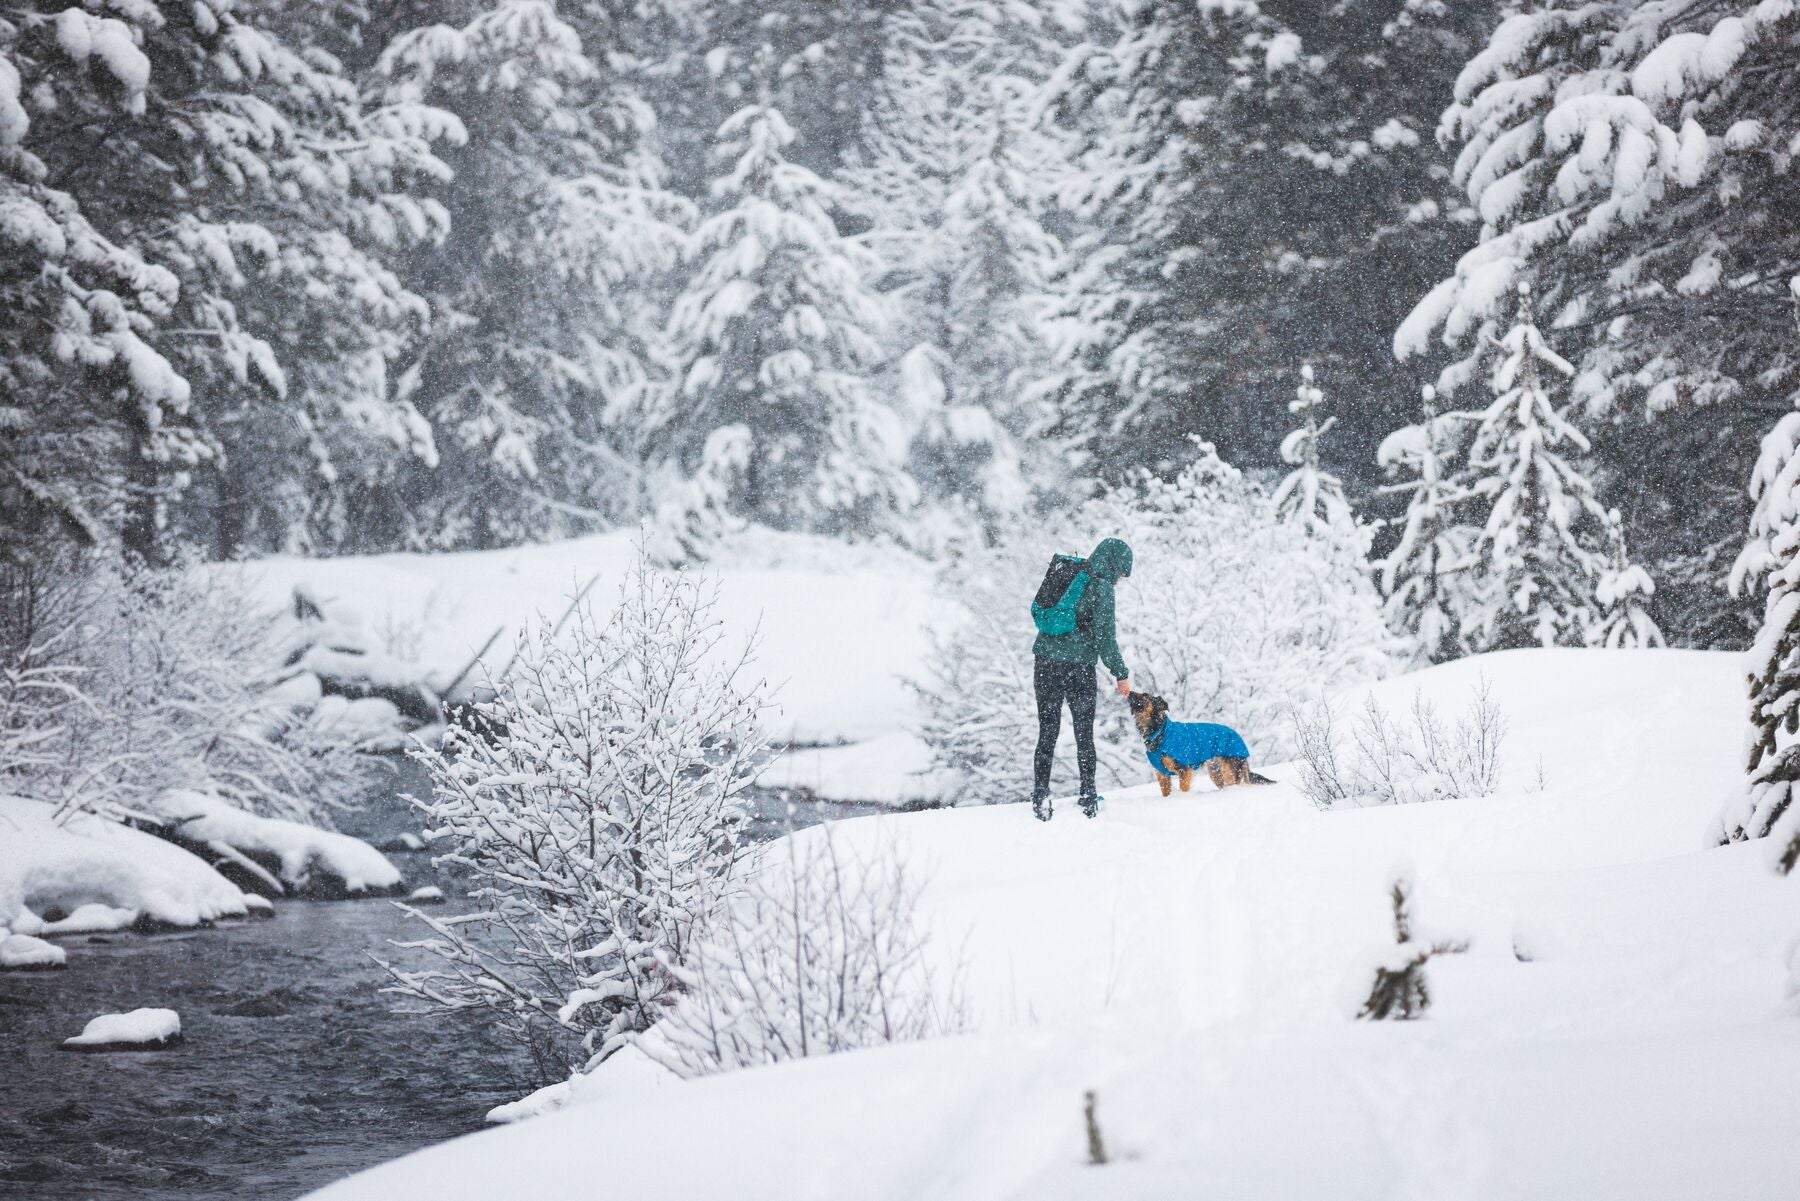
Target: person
x,y
1063,673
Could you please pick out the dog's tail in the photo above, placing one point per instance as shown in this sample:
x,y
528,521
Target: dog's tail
x,y
1257,777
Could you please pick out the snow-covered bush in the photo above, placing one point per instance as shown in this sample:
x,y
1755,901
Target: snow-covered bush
x,y
821,952
1387,762
1400,990
595,802
118,684
1230,613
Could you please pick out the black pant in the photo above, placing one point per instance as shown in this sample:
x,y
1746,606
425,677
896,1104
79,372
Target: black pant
x,y
1055,683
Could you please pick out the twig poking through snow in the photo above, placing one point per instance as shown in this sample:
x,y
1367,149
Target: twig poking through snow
x,y
1096,1147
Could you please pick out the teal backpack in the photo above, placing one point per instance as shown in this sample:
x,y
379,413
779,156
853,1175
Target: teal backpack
x,y
1053,608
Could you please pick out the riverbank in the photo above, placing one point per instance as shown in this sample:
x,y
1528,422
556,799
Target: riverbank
x,y
296,1070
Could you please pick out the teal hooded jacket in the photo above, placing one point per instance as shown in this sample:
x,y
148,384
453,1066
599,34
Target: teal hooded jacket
x,y
1094,638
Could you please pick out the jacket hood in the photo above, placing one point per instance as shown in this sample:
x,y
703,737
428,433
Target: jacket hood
x,y
1111,560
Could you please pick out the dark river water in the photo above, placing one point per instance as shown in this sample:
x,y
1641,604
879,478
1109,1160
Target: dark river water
x,y
295,1069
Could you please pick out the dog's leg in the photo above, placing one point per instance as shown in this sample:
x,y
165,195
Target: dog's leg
x,y
1163,783
1187,778
1216,772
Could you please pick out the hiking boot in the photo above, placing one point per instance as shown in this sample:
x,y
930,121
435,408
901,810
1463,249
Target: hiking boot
x,y
1090,805
1040,806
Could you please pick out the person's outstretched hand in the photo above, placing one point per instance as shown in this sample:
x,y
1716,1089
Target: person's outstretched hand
x,y
1124,687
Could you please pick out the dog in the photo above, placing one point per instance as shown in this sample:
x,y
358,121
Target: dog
x,y
1175,749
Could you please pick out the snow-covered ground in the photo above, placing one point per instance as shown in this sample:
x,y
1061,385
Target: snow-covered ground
x,y
838,628
889,769
1623,1025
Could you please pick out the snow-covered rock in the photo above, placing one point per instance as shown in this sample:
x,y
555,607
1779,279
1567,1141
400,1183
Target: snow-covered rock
x,y
258,905
23,953
286,854
46,866
1183,959
92,918
431,894
373,722
139,1030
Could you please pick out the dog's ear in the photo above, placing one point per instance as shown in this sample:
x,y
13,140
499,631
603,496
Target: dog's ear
x,y
1159,706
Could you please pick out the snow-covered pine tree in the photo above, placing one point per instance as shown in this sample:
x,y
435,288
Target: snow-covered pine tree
x,y
1238,172
73,350
559,231
1627,158
778,330
693,514
1540,553
1415,575
1771,560
1310,496
1623,596
220,203
950,174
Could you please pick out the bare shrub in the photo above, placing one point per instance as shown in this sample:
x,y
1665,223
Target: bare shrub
x,y
1384,761
595,801
822,952
119,683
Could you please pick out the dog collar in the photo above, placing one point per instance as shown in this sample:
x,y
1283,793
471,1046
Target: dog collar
x,y
1154,739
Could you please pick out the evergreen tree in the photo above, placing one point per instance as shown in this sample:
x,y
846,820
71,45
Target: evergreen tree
x,y
1248,170
950,175
1626,157
234,172
1624,594
558,228
1772,558
1418,573
1310,496
1537,560
778,331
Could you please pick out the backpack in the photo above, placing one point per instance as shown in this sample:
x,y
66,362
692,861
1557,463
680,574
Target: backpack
x,y
1054,606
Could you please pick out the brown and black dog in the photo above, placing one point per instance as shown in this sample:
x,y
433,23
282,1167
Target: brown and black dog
x,y
1175,749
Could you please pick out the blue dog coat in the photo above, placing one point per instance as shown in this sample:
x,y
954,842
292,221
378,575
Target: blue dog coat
x,y
1191,743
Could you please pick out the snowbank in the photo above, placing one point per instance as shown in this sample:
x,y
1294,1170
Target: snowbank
x,y
139,1030
23,953
307,860
837,627
88,861
892,769
1619,1017
630,1072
